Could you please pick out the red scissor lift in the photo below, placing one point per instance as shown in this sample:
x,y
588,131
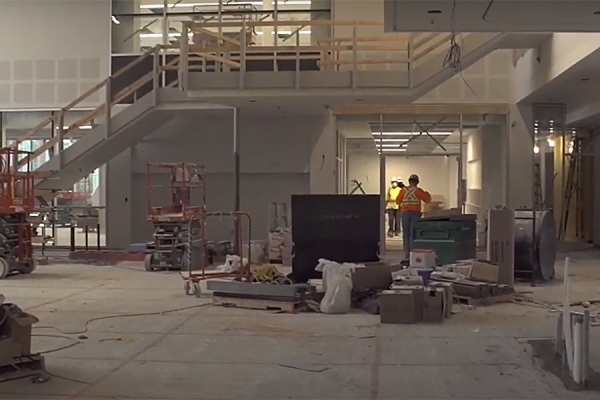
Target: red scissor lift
x,y
17,201
187,201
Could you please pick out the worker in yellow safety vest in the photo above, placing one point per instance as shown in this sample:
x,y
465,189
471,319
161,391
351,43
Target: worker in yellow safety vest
x,y
392,207
409,200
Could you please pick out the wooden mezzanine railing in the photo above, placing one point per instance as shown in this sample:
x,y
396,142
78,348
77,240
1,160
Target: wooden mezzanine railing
x,y
234,53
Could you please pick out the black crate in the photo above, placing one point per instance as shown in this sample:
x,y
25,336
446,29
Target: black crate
x,y
307,255
350,218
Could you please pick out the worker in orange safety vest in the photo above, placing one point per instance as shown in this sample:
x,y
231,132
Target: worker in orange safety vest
x,y
409,200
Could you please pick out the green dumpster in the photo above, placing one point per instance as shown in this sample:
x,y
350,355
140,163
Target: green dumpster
x,y
452,237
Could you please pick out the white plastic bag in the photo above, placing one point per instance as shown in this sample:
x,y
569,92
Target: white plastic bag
x,y
337,284
232,263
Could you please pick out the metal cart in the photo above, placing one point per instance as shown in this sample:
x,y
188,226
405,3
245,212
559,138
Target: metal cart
x,y
197,259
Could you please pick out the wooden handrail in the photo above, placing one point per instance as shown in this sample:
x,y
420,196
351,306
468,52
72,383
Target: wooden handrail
x,y
68,131
315,22
434,44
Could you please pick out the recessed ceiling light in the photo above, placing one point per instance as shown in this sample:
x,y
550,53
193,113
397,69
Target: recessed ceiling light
x,y
434,12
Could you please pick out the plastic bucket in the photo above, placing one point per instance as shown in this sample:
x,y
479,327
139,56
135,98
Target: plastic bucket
x,y
425,274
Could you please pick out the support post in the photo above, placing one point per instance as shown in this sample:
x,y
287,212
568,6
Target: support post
x,y
275,33
297,76
183,53
382,194
236,179
411,41
165,37
507,162
354,57
244,44
61,137
108,106
460,196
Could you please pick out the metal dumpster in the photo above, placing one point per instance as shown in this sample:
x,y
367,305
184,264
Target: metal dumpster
x,y
452,237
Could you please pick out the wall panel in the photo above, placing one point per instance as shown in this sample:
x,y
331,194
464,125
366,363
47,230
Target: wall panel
x,y
52,51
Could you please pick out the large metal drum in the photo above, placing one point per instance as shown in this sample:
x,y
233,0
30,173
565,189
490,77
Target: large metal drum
x,y
535,243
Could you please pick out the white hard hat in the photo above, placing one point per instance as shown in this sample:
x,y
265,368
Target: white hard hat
x,y
394,179
398,179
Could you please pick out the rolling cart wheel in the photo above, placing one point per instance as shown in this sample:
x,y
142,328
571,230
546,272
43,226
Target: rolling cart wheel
x,y
27,267
196,289
4,268
148,262
187,287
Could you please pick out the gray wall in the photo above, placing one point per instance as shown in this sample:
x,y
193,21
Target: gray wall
x,y
276,154
52,51
485,171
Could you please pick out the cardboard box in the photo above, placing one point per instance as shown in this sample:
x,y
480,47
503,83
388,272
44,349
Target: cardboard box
x,y
417,292
422,258
433,305
501,243
397,307
482,271
374,276
448,296
15,337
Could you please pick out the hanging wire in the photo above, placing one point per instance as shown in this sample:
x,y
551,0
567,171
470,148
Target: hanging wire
x,y
453,58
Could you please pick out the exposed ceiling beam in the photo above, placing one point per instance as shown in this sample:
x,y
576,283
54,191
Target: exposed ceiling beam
x,y
422,109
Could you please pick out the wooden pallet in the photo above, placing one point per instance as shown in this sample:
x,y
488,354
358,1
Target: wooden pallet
x,y
484,301
22,367
257,304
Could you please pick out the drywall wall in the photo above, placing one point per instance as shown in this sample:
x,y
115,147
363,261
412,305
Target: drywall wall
x,y
275,154
434,173
52,51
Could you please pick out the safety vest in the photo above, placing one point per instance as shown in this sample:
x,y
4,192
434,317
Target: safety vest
x,y
391,199
410,197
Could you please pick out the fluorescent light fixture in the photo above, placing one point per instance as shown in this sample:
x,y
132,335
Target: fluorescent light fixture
x,y
244,3
550,142
397,146
388,140
411,133
115,20
84,127
536,149
393,150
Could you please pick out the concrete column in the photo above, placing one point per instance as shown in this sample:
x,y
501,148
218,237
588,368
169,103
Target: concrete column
x,y
118,201
323,162
520,158
492,176
122,40
596,194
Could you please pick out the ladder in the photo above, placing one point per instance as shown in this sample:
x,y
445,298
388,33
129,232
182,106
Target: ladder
x,y
538,197
571,187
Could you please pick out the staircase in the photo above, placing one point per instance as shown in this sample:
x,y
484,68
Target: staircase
x,y
221,74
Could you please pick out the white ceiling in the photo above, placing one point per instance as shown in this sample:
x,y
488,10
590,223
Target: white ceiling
x,y
360,138
492,15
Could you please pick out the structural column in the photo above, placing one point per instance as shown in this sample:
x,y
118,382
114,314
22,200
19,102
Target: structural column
x,y
236,178
382,193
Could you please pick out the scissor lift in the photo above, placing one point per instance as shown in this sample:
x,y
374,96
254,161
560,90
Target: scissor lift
x,y
171,221
16,203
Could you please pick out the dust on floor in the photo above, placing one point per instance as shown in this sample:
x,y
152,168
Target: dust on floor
x,y
179,347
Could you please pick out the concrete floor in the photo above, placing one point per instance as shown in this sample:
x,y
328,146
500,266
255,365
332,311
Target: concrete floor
x,y
220,353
